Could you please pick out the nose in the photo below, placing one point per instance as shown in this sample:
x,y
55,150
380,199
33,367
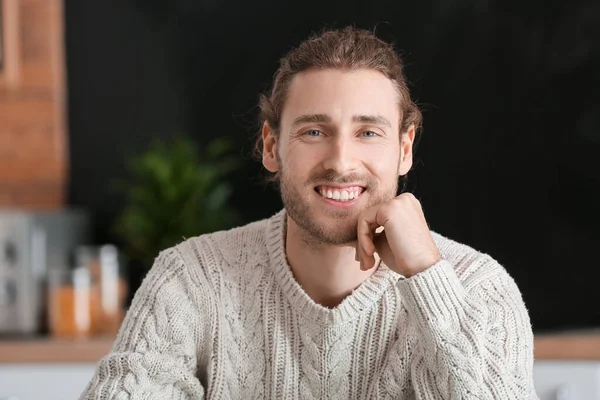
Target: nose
x,y
341,155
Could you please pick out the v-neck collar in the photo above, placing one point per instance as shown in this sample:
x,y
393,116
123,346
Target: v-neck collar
x,y
359,301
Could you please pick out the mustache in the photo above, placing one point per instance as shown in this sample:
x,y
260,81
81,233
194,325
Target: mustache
x,y
333,177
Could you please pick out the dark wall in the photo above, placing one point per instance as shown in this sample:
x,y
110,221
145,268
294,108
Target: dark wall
x,y
508,159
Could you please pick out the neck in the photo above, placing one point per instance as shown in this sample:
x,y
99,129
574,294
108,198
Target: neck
x,y
327,273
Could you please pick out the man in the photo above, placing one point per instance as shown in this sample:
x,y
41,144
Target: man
x,y
344,294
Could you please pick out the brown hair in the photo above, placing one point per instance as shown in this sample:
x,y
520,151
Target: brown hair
x,y
350,49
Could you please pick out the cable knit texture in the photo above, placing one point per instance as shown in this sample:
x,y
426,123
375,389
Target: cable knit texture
x,y
220,316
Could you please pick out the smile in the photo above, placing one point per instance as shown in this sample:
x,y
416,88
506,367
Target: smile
x,y
342,195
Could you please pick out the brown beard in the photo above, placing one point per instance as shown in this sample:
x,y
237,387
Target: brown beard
x,y
344,230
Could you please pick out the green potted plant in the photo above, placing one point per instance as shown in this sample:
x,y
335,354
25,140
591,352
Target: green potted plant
x,y
178,190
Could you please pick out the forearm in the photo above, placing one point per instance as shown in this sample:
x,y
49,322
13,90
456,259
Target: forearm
x,y
476,341
132,376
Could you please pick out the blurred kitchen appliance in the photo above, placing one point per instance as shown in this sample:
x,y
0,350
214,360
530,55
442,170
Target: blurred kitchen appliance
x,y
32,243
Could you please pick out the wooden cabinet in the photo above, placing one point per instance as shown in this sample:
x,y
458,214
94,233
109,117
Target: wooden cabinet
x,y
33,133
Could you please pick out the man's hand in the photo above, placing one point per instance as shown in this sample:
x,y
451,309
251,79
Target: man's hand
x,y
405,245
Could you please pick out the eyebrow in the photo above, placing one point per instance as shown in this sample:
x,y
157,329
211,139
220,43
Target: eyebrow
x,y
324,118
372,119
312,118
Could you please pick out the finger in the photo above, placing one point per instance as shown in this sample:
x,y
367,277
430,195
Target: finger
x,y
366,245
366,248
365,261
383,249
366,225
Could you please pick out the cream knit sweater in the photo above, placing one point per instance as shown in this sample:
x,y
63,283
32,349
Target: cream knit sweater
x,y
220,316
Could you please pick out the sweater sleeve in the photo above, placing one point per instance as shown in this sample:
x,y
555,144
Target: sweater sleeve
x,y
475,340
154,355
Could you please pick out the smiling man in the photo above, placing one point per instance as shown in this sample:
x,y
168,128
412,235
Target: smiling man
x,y
345,293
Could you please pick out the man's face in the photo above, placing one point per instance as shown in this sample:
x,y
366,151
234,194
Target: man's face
x,y
338,151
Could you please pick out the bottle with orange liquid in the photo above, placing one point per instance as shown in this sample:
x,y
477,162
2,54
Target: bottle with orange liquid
x,y
87,300
69,302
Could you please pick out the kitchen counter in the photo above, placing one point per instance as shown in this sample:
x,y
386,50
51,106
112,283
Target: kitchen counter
x,y
45,350
556,346
569,346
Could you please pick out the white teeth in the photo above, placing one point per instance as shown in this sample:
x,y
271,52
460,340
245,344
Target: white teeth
x,y
342,195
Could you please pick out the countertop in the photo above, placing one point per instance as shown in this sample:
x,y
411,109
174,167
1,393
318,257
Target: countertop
x,y
573,345
46,350
583,345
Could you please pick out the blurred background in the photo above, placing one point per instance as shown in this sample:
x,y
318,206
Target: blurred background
x,y
508,161
127,125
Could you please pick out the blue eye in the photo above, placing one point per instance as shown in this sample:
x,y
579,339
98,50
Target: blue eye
x,y
313,133
369,134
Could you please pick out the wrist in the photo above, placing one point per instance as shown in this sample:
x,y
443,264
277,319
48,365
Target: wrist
x,y
422,266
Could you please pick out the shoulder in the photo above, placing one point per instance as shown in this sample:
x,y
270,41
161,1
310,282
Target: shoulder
x,y
472,266
237,246
167,267
207,258
199,265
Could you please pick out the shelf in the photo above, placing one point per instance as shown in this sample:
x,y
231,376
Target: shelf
x,y
570,346
54,351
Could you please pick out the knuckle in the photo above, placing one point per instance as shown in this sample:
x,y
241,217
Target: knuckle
x,y
409,196
404,201
405,198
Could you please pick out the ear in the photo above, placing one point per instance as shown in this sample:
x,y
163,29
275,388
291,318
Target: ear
x,y
406,152
269,153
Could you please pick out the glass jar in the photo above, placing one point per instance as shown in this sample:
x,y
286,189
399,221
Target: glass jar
x,y
69,305
87,299
107,290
